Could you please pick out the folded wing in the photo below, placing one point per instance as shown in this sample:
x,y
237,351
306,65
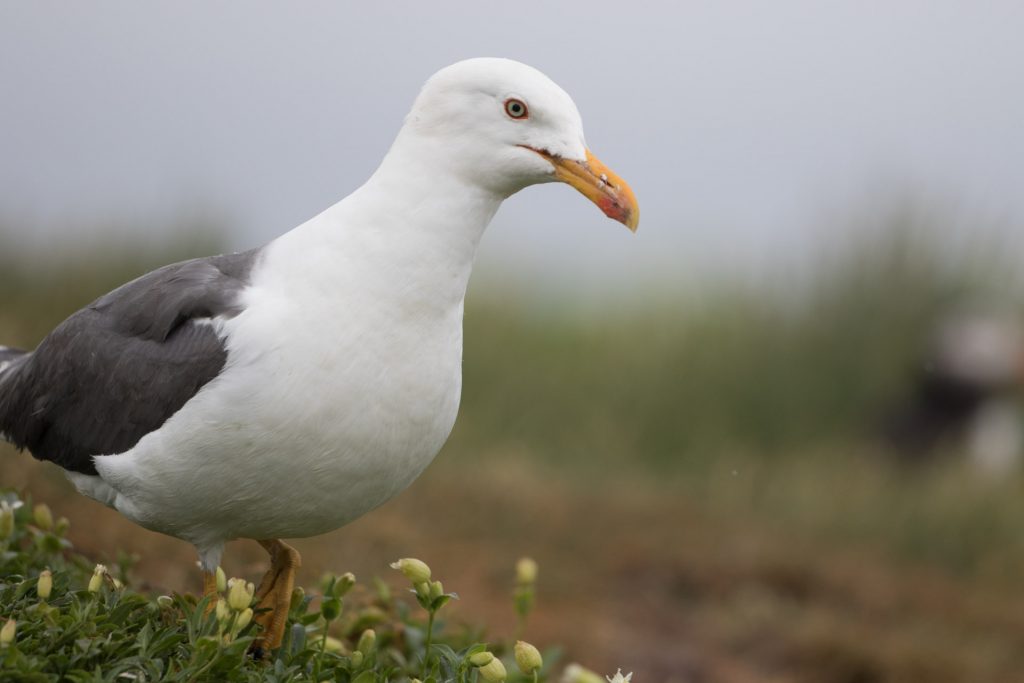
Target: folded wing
x,y
119,368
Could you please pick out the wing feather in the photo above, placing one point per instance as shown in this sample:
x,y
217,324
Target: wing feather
x,y
119,368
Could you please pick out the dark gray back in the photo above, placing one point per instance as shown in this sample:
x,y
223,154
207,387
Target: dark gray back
x,y
120,367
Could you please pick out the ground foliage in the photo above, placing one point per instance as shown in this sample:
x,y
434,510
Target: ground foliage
x,y
88,625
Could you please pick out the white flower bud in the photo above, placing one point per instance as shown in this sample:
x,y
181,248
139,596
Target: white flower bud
x,y
493,672
43,517
243,619
97,578
6,521
223,611
331,644
574,673
44,585
222,580
344,584
415,570
527,657
481,658
8,632
239,594
367,641
526,571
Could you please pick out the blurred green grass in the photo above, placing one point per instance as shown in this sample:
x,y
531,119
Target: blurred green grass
x,y
762,369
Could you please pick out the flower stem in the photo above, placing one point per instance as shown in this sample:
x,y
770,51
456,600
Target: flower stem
x,y
323,651
430,634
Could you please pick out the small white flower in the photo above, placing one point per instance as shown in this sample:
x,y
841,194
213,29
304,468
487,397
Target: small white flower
x,y
619,678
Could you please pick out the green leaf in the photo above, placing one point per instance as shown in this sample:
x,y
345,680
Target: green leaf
x,y
365,677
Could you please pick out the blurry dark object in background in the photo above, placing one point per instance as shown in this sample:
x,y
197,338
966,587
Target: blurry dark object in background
x,y
967,393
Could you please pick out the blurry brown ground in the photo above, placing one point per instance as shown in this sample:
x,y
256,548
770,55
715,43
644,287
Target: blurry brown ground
x,y
631,576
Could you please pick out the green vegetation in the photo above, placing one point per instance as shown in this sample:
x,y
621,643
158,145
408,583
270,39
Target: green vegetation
x,y
65,620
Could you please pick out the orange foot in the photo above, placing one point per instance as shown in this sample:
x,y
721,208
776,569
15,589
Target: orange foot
x,y
275,594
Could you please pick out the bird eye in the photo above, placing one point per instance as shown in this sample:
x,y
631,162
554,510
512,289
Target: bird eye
x,y
516,108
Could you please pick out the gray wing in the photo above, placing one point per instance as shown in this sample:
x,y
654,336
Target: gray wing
x,y
119,368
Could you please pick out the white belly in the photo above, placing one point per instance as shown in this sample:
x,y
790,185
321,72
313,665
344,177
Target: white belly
x,y
313,423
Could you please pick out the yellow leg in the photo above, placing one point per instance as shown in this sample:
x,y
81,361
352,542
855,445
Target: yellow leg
x,y
210,590
275,592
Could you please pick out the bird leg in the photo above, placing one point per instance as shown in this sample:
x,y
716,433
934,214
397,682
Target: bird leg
x,y
275,593
210,591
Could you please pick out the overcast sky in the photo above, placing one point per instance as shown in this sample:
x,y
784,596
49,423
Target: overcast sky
x,y
742,126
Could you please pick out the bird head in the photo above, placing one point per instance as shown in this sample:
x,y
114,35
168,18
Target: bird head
x,y
504,125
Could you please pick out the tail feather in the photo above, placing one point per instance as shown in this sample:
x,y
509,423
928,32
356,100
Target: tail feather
x,y
9,359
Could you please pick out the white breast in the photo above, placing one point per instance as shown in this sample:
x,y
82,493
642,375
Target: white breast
x,y
342,384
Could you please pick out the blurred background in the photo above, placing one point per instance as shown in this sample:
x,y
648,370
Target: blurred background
x,y
774,436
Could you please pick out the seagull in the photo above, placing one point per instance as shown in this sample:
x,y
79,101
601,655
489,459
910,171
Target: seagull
x,y
285,391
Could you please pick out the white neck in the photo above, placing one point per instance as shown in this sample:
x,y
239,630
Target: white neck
x,y
411,231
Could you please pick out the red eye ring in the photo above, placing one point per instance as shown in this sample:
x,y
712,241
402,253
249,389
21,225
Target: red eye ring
x,y
516,108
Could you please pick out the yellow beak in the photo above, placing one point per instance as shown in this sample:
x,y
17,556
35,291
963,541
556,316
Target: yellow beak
x,y
600,185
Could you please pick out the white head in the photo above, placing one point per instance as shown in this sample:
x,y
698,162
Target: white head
x,y
504,126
